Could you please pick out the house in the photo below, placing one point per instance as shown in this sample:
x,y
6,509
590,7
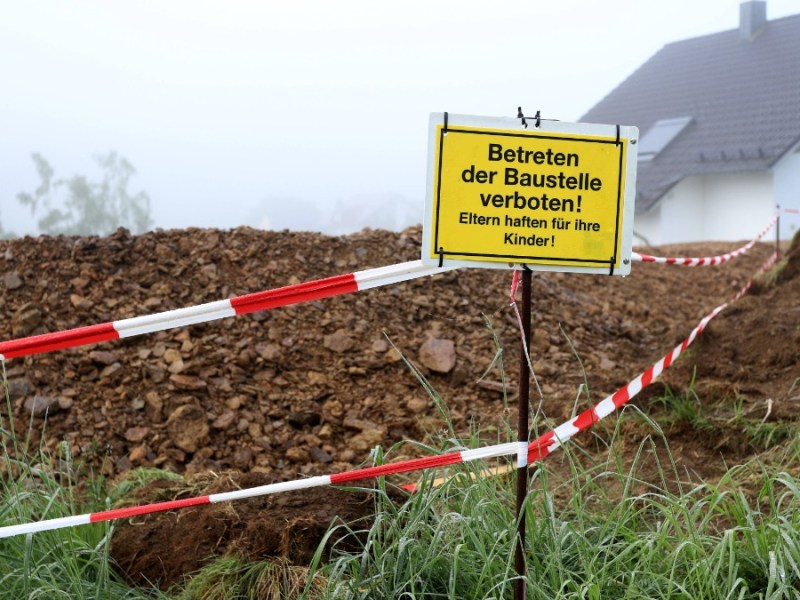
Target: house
x,y
719,126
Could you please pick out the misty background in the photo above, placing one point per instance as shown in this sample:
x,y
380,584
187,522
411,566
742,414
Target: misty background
x,y
306,115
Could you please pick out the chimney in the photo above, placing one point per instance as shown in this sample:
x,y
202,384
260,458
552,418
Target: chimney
x,y
752,17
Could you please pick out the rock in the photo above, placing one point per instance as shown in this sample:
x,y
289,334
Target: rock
x,y
316,378
332,410
298,455
188,427
103,357
339,341
12,280
235,403
19,388
380,345
417,405
171,355
187,382
27,318
392,356
460,375
269,352
176,366
225,420
298,420
153,406
358,424
243,458
80,302
544,368
111,370
606,364
255,431
540,340
347,455
438,355
137,434
319,455
40,405
139,454
367,440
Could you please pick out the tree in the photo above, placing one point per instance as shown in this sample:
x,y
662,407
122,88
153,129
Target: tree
x,y
77,206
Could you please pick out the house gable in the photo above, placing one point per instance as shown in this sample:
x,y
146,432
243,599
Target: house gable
x,y
741,89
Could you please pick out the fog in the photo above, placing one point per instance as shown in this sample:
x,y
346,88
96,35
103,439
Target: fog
x,y
301,115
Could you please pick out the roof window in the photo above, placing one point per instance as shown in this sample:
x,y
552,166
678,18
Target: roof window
x,y
659,136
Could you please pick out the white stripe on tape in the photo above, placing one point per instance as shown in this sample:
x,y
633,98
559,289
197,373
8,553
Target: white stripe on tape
x,y
44,525
395,274
174,318
490,452
272,488
522,455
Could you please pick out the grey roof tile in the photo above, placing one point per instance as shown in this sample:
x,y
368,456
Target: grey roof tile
x,y
743,96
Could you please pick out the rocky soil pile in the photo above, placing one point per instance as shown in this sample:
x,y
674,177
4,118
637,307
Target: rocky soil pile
x,y
312,388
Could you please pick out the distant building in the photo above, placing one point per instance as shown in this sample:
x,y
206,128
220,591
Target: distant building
x,y
719,126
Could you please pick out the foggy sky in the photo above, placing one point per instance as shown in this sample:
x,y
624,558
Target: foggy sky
x,y
307,115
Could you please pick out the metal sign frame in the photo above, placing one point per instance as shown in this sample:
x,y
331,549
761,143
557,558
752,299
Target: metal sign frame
x,y
615,150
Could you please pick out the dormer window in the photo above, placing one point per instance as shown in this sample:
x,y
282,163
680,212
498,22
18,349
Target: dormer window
x,y
659,136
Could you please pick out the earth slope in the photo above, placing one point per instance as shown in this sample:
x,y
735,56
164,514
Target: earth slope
x,y
311,389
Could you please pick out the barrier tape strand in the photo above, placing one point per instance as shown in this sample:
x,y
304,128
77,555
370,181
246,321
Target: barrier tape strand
x,y
536,450
705,261
283,296
240,305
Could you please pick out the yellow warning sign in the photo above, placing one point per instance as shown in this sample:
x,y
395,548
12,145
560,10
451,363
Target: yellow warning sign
x,y
557,197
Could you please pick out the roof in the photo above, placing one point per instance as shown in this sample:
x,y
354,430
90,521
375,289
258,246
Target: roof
x,y
742,97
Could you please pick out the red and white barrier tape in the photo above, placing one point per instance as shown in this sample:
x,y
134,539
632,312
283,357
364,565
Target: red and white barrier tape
x,y
240,305
284,296
428,462
551,440
705,260
526,452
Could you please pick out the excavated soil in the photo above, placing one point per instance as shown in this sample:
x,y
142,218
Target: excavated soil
x,y
311,389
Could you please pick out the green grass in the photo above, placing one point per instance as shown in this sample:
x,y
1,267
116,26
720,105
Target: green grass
x,y
65,563
613,522
592,533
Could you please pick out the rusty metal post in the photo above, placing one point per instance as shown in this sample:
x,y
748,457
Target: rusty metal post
x,y
520,589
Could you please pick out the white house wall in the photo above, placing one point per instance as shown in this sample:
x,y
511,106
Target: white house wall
x,y
647,227
682,214
738,205
787,190
725,207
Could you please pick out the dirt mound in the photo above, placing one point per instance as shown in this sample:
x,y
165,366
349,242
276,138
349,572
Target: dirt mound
x,y
160,549
752,349
310,389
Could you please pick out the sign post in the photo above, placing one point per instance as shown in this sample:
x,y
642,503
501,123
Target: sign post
x,y
523,419
552,197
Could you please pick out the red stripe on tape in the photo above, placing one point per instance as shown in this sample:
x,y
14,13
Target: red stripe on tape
x,y
621,396
538,449
586,419
135,511
59,340
428,462
291,294
647,377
